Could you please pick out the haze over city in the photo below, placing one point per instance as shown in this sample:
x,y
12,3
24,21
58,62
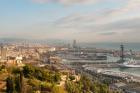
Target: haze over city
x,y
69,46
84,20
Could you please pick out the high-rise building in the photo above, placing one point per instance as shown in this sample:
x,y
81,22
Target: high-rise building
x,y
74,44
3,52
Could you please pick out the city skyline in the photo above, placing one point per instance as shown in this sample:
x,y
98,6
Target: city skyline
x,y
83,20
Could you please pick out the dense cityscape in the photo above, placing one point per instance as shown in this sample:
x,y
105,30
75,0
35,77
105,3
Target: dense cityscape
x,y
41,68
69,46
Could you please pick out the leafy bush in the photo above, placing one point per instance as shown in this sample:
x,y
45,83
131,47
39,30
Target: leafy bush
x,y
57,89
71,77
85,85
28,71
41,74
34,82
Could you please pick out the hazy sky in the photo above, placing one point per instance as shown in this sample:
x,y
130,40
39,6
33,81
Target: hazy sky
x,y
84,20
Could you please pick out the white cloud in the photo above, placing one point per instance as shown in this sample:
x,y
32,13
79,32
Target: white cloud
x,y
120,21
121,24
128,10
77,1
69,2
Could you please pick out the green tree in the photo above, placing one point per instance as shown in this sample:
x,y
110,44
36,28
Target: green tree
x,y
86,83
72,87
71,77
57,77
57,89
10,85
15,70
28,71
19,83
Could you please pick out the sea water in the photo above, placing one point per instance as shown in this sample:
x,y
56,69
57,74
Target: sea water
x,y
127,46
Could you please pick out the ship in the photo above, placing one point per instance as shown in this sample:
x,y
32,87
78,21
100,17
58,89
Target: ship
x,y
131,63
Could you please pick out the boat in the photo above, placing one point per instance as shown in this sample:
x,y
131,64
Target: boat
x,y
131,63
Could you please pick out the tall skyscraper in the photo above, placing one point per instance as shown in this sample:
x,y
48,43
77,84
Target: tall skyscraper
x,y
74,44
3,52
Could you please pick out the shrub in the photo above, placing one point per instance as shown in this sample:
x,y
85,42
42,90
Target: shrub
x,y
71,77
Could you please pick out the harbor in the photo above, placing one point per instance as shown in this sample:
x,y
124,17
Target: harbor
x,y
119,69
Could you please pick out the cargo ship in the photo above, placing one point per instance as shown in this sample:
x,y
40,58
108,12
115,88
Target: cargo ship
x,y
131,63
